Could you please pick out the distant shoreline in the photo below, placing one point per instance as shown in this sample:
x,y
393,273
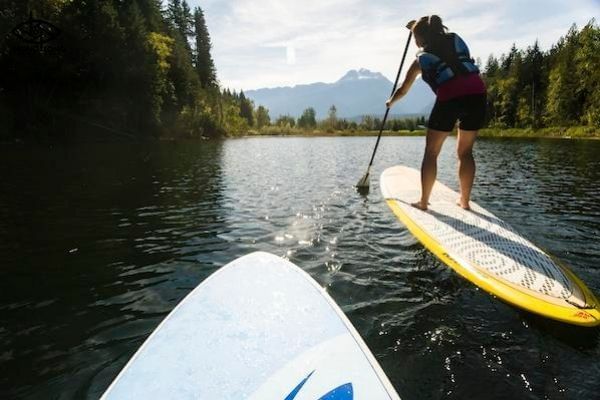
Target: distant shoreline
x,y
576,132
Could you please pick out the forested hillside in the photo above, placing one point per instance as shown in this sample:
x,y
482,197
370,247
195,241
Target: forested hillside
x,y
110,68
559,87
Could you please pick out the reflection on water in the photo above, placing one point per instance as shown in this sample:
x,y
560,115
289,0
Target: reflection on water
x,y
98,244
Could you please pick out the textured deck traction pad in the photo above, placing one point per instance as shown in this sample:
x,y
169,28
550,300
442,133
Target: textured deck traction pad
x,y
479,237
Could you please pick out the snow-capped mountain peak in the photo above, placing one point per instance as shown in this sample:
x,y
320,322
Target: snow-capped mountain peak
x,y
361,74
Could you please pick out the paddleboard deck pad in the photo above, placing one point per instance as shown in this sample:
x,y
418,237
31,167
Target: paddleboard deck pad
x,y
259,328
488,251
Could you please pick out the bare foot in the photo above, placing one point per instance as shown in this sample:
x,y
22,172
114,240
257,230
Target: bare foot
x,y
419,205
463,205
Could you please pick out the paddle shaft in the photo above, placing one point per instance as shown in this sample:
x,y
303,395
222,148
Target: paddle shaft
x,y
387,111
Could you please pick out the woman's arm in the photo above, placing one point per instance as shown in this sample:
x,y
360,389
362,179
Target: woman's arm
x,y
411,75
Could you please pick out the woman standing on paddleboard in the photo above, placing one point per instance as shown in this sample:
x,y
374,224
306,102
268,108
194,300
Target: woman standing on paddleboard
x,y
445,64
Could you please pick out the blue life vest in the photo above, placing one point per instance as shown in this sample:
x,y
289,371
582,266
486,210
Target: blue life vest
x,y
443,62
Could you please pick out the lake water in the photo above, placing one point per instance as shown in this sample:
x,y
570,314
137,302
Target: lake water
x,y
99,242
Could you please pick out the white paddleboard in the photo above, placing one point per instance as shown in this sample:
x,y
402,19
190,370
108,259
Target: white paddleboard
x,y
259,328
488,251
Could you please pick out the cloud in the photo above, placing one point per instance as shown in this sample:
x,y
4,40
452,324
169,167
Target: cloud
x,y
267,43
290,55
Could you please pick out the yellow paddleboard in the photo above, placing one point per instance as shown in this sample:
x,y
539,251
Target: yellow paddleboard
x,y
488,252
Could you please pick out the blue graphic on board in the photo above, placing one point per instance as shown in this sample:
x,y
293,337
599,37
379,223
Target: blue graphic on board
x,y
294,392
343,392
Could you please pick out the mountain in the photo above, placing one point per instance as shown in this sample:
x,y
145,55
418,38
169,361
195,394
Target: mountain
x,y
358,92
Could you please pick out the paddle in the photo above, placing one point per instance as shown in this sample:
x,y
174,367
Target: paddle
x,y
363,183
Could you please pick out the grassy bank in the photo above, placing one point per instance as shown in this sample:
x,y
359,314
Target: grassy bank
x,y
287,131
574,132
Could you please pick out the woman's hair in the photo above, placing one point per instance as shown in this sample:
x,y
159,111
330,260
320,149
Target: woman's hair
x,y
430,29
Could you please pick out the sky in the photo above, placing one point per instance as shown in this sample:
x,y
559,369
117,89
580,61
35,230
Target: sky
x,y
270,43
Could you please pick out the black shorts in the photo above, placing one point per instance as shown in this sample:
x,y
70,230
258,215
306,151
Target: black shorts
x,y
469,110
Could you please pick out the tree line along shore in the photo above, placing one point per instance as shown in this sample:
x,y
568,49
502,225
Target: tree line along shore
x,y
574,132
143,69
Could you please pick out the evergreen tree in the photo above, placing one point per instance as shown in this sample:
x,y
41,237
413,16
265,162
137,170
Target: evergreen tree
x,y
531,86
246,109
507,61
187,23
137,76
564,100
308,119
182,75
332,117
180,20
103,41
262,117
151,9
175,16
491,67
204,64
587,60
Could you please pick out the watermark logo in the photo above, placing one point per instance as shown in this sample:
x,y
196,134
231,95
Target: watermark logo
x,y
35,37
36,31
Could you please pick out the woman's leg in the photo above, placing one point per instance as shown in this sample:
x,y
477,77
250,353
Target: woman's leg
x,y
434,141
466,165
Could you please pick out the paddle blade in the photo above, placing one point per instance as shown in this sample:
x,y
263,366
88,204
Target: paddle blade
x,y
363,183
